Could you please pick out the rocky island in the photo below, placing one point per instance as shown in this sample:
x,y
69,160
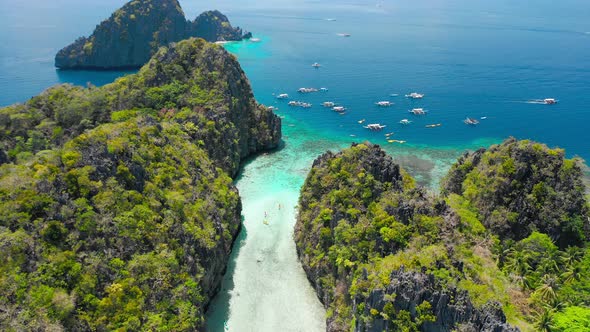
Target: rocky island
x,y
500,249
117,207
134,33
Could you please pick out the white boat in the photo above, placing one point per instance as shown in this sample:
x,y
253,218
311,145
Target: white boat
x,y
324,89
272,108
549,101
374,126
328,104
293,103
307,90
305,105
405,122
283,96
255,40
415,95
383,103
418,111
316,65
344,34
471,121
339,109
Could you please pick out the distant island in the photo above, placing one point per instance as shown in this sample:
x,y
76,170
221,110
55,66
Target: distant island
x,y
134,33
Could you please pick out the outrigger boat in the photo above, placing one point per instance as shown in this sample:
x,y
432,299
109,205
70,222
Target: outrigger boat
x,y
405,122
415,95
383,103
272,108
339,109
283,96
328,104
471,121
299,104
316,65
395,141
361,121
307,90
375,126
433,125
418,111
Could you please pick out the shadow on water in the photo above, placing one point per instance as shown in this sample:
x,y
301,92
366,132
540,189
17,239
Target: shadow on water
x,y
94,77
216,321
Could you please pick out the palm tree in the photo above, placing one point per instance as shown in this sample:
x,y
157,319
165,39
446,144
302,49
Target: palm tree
x,y
544,320
571,274
518,262
571,256
548,289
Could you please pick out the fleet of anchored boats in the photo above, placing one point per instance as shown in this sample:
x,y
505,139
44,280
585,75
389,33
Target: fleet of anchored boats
x,y
418,111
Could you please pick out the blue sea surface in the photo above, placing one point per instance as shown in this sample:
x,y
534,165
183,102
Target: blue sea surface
x,y
470,58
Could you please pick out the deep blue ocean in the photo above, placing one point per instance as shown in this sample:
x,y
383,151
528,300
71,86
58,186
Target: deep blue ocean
x,y
470,58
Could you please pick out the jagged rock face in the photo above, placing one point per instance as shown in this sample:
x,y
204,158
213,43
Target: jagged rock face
x,y
453,309
134,32
361,219
521,186
214,26
128,38
243,126
129,183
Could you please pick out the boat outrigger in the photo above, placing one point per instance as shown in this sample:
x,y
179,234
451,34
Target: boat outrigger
x,y
328,104
339,109
374,126
383,103
405,122
283,96
471,121
418,111
415,95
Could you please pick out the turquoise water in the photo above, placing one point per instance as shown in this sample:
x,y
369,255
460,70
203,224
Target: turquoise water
x,y
470,58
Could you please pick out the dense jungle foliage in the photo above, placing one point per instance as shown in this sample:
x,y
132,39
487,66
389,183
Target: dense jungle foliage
x,y
117,209
503,246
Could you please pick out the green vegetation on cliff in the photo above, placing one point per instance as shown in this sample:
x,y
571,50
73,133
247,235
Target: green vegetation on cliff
x,y
134,32
117,210
384,254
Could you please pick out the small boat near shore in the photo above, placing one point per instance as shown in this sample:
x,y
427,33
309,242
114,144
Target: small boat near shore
x,y
361,121
415,95
328,104
339,109
405,122
418,111
272,108
255,40
395,141
471,121
374,126
283,96
316,65
433,125
384,103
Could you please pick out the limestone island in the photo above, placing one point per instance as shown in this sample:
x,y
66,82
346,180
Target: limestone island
x,y
134,33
